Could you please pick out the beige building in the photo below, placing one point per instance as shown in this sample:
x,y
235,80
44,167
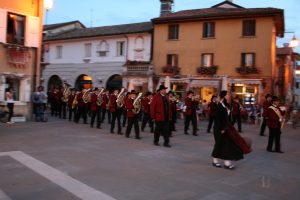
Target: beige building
x,y
20,41
223,47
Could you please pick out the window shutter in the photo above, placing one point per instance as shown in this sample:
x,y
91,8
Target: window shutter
x,y
212,29
32,37
3,24
27,90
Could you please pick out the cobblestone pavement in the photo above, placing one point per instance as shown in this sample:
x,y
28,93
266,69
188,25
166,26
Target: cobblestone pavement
x,y
61,160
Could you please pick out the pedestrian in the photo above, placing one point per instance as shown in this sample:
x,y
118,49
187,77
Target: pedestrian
x,y
9,95
212,106
40,99
267,103
160,113
236,113
275,122
173,107
224,147
190,113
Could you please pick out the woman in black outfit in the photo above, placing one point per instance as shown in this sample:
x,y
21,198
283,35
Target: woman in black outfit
x,y
224,147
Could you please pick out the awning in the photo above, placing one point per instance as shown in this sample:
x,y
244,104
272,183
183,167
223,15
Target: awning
x,y
245,81
205,83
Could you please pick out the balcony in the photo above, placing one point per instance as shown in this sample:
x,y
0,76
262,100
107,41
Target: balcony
x,y
244,70
170,70
209,71
137,68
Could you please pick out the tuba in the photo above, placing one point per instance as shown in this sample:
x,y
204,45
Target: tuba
x,y
99,97
66,93
86,96
137,103
120,98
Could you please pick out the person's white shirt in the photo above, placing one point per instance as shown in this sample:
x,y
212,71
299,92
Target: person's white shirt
x,y
9,97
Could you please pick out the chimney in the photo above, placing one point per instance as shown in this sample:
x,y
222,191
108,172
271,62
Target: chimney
x,y
166,6
230,1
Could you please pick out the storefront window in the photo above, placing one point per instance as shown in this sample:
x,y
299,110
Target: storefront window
x,y
15,84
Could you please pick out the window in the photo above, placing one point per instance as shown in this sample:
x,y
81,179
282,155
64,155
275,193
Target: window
x,y
248,59
87,50
173,32
15,29
58,52
103,48
297,85
120,48
172,60
208,29
249,27
207,59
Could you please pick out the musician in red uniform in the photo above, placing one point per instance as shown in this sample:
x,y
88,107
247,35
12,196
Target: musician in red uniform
x,y
95,109
212,106
82,107
146,111
116,112
173,108
160,113
124,112
105,107
236,113
59,101
54,102
72,110
190,113
267,103
131,116
274,122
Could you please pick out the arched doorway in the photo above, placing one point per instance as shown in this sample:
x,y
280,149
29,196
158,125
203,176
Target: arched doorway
x,y
114,82
54,82
83,81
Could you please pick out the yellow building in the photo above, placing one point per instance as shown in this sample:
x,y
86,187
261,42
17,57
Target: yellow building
x,y
225,47
20,42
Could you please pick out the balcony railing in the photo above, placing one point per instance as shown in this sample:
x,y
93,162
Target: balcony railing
x,y
134,68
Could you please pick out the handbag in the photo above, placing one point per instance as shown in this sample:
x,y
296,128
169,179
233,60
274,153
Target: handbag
x,y
243,143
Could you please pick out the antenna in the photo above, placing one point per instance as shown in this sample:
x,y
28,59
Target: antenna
x,y
91,25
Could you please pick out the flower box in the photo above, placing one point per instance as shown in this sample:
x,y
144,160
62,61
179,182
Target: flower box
x,y
247,70
171,69
212,70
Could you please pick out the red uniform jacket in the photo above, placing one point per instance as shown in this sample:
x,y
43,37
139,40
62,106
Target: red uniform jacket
x,y
80,100
212,106
266,106
94,102
105,99
54,97
129,107
146,105
70,100
236,109
157,108
273,119
191,106
113,103
60,96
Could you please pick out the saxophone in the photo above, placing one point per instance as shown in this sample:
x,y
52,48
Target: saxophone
x,y
99,97
137,103
66,93
120,98
86,96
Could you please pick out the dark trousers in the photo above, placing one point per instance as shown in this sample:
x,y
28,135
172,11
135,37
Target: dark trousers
x,y
188,119
54,108
10,107
263,126
104,111
116,116
147,119
237,118
94,114
210,123
173,121
124,117
162,129
274,135
72,112
133,121
39,112
64,109
82,112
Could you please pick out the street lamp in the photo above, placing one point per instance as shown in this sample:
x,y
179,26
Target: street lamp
x,y
294,42
48,4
